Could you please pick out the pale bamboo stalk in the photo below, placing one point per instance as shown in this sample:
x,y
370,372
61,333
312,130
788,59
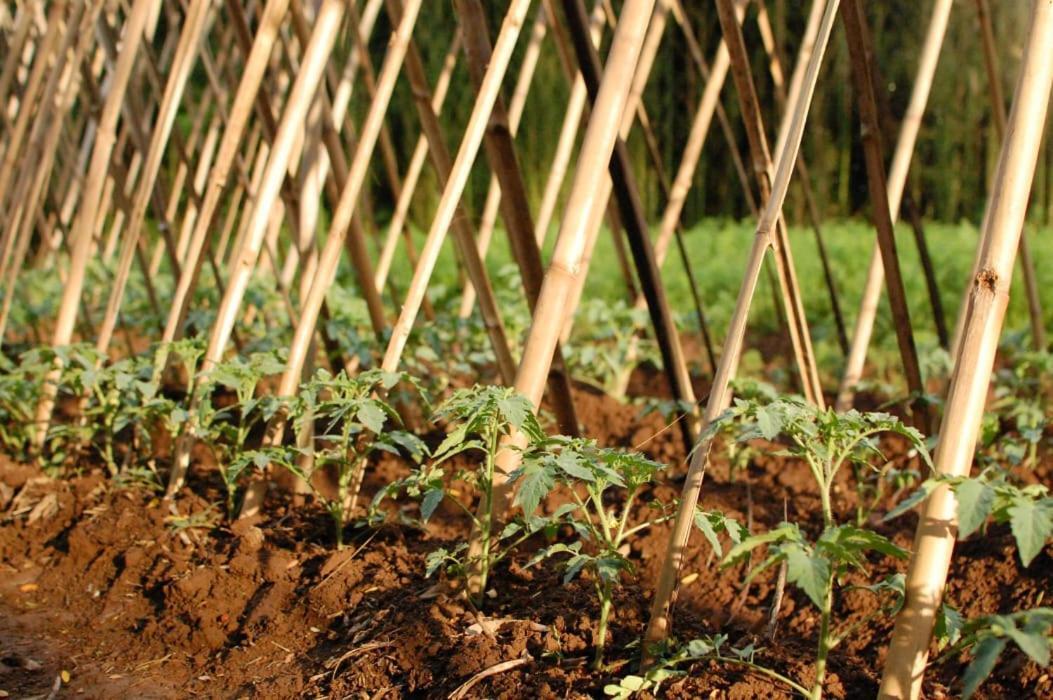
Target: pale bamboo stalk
x,y
515,209
660,622
31,189
568,133
805,180
15,50
185,57
994,81
985,303
449,204
515,114
897,179
397,225
34,84
398,45
240,112
31,157
859,45
630,208
316,54
81,235
598,145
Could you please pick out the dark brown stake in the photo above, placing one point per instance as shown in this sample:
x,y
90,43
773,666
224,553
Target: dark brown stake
x,y
515,209
858,37
633,222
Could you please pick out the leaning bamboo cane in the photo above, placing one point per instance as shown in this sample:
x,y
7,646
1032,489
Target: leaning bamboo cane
x,y
515,111
994,82
18,37
240,112
897,178
33,188
566,264
330,255
512,196
858,36
797,325
308,78
397,225
450,200
105,137
660,622
985,305
182,64
782,98
624,186
34,83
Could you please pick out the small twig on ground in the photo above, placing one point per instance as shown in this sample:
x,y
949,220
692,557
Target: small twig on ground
x,y
462,691
780,588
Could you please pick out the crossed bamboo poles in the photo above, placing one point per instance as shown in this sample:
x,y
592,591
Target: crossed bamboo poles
x,y
95,151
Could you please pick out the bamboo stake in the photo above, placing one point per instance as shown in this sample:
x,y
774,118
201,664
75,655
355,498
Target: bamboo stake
x,y
513,116
45,150
660,622
512,196
566,265
240,111
762,165
185,57
34,83
15,50
397,225
859,47
81,238
897,179
316,53
994,82
449,203
666,333
985,305
782,98
398,46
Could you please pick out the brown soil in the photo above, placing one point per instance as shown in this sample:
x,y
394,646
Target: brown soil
x,y
99,585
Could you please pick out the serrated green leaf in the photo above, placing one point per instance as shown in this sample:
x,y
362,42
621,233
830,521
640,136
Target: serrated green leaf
x,y
809,572
372,416
428,504
975,499
535,480
1033,643
1031,524
985,656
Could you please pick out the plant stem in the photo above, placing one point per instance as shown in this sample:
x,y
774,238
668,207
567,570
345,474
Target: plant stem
x,y
604,591
824,640
486,522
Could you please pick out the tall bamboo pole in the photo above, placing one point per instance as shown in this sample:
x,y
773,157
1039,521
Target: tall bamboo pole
x,y
316,54
15,49
994,82
630,208
512,197
488,221
185,57
859,48
897,179
397,225
566,265
449,202
34,83
81,236
985,304
44,153
660,622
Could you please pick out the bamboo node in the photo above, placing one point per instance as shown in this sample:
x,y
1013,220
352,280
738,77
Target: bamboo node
x,y
987,279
